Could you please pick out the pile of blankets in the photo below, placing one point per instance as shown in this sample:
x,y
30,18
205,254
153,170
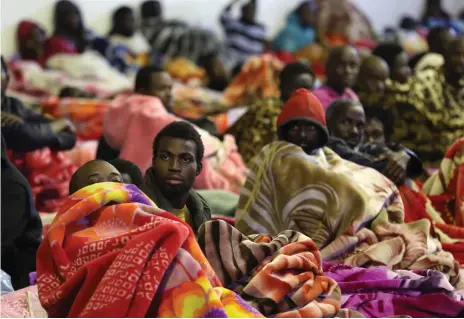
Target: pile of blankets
x,y
354,214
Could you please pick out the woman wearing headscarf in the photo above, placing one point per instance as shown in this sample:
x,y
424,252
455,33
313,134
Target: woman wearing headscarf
x,y
299,31
30,40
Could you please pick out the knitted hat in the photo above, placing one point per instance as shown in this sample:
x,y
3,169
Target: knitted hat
x,y
303,105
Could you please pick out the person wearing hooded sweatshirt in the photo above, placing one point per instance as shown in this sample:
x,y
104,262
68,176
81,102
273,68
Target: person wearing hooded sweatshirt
x,y
302,122
21,224
299,31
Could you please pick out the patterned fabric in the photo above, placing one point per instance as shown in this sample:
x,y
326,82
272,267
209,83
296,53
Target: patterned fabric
x,y
431,120
86,114
111,253
352,212
257,127
186,71
48,172
281,276
22,303
257,79
380,293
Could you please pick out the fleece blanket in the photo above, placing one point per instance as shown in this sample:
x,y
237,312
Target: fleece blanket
x,y
353,213
132,122
110,252
379,292
258,79
48,172
281,276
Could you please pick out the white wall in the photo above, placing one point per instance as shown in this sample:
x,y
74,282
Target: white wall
x,y
97,13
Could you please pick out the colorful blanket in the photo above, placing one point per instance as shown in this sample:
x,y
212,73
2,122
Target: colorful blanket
x,y
110,252
379,292
257,79
353,213
48,173
132,122
281,276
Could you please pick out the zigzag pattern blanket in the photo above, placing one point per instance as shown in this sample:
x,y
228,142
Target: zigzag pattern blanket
x,y
110,252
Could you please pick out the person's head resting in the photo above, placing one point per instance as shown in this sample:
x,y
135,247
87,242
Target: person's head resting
x,y
151,9
379,125
123,22
177,159
302,122
155,82
439,38
373,74
68,18
346,120
397,60
295,75
30,38
5,79
342,68
93,172
130,172
304,13
249,12
454,61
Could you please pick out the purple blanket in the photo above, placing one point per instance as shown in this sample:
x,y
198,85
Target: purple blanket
x,y
379,292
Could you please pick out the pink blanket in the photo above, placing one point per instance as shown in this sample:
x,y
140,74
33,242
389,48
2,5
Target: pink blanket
x,y
131,123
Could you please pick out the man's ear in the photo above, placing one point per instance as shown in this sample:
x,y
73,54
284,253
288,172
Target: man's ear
x,y
199,168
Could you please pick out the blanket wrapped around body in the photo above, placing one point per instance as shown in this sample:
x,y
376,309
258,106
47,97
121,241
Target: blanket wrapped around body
x,y
110,252
353,213
280,276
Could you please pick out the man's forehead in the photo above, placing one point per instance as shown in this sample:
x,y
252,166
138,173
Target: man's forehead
x,y
177,145
161,77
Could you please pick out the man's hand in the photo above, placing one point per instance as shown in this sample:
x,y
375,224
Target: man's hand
x,y
395,172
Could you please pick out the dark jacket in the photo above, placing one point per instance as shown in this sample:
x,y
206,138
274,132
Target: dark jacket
x,y
340,147
198,207
21,224
34,132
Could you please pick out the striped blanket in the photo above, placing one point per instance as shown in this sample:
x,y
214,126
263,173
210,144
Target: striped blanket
x,y
110,252
353,213
280,276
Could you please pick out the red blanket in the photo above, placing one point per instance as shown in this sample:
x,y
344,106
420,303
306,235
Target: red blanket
x,y
111,253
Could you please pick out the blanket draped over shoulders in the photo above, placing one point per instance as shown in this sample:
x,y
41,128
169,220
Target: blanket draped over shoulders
x,y
353,214
110,252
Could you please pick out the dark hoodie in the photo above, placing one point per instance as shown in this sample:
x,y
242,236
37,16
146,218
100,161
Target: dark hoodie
x,y
197,205
21,224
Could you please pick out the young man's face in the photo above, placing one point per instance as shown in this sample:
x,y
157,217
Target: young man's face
x,y
343,69
372,77
97,172
303,134
175,166
374,132
161,87
350,124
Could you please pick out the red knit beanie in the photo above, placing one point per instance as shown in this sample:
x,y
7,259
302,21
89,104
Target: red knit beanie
x,y
303,105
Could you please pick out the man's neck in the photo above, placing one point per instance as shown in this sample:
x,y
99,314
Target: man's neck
x,y
178,202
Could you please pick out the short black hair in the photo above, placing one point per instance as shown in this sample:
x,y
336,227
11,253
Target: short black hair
x,y
408,23
182,130
388,51
294,69
127,167
336,108
121,12
382,114
144,77
151,9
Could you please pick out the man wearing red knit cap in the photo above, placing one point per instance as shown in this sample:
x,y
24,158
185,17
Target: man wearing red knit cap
x,y
302,122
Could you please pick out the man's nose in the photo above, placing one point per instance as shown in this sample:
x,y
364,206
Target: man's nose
x,y
174,165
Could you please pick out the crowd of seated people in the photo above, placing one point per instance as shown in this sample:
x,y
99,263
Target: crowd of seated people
x,y
157,171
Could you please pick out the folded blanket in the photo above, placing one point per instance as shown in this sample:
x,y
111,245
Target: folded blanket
x,y
110,252
132,123
353,213
281,276
379,292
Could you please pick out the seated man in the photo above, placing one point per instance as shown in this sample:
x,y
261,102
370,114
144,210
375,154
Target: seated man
x,y
346,122
432,119
256,128
342,68
372,78
177,160
25,131
21,225
96,171
130,173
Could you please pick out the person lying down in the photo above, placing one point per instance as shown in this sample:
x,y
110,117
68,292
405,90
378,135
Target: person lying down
x,y
353,213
